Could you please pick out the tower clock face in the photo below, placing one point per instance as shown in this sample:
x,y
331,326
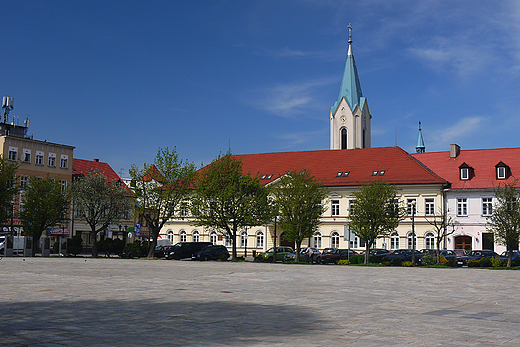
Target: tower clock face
x,y
343,119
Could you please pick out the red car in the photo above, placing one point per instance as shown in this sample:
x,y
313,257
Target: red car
x,y
334,256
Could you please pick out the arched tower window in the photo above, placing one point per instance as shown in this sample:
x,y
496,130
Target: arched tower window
x,y
343,138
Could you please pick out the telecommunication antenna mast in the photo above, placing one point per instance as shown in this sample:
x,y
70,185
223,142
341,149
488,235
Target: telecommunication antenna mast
x,y
7,105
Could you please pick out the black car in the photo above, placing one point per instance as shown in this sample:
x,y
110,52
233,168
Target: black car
x,y
515,260
403,255
477,255
185,249
213,252
377,253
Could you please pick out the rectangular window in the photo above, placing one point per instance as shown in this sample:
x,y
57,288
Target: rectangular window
x,y
52,159
63,163
501,172
487,206
429,207
462,206
184,209
26,155
464,173
12,155
23,182
39,158
63,184
411,207
335,207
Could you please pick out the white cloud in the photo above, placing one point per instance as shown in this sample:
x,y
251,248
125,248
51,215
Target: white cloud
x,y
293,140
291,99
455,133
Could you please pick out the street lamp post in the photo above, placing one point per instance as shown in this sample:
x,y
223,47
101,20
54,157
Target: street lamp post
x,y
413,233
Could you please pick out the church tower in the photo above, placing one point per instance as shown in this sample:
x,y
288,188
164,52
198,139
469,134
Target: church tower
x,y
420,147
350,119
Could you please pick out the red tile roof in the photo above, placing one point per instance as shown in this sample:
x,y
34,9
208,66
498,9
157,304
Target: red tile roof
x,y
399,166
482,161
82,167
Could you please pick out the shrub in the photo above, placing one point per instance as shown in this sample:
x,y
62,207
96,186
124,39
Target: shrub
x,y
344,262
443,260
397,262
224,257
386,263
354,259
450,262
485,262
372,259
497,262
429,260
75,245
407,263
473,263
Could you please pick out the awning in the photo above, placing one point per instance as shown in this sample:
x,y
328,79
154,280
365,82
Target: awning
x,y
58,232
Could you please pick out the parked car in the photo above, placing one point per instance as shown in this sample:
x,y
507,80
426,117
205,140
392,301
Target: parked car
x,y
185,249
213,252
159,251
403,255
334,256
460,252
477,255
515,260
448,254
280,253
303,255
378,253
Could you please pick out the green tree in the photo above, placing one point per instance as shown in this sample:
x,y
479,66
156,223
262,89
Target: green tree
x,y
227,200
376,212
161,189
504,222
8,188
99,203
299,201
45,204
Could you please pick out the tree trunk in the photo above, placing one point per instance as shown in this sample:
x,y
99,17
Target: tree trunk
x,y
298,248
234,245
151,251
367,251
93,234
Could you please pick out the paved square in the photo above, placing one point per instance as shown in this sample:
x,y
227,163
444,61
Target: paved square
x,y
118,302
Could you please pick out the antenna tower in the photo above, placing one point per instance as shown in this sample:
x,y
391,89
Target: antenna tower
x,y
7,105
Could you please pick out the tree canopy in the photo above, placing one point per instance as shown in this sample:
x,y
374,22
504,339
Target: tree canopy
x,y
45,204
299,201
376,212
8,188
504,221
99,203
160,190
227,200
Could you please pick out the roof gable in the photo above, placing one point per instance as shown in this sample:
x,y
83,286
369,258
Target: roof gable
x,y
81,167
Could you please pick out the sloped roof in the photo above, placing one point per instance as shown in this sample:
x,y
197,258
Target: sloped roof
x,y
399,167
83,167
350,89
482,161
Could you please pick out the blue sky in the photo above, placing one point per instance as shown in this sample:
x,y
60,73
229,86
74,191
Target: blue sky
x,y
119,79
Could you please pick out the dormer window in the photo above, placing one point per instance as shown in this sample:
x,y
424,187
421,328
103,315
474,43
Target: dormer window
x,y
346,173
464,173
502,171
374,173
382,172
339,174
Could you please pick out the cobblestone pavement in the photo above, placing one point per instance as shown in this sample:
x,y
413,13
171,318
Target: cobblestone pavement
x,y
117,302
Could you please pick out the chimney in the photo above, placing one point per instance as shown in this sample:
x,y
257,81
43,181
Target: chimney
x,y
454,150
96,160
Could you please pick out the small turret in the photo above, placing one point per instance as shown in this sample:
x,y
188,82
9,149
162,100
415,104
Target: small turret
x,y
420,147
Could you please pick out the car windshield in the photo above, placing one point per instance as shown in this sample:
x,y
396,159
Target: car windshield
x,y
205,248
329,251
176,246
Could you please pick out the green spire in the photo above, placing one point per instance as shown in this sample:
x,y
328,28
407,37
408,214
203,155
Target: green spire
x,y
350,86
420,147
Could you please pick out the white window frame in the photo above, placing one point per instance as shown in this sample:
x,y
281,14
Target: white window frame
x,y
501,172
462,207
334,239
317,239
26,155
394,240
464,173
487,206
429,206
13,153
429,240
334,208
170,236
64,161
228,241
195,236
63,184
39,158
260,239
213,238
182,236
409,240
243,239
52,160
410,206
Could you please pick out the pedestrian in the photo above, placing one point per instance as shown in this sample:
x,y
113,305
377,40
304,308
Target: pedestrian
x,y
310,253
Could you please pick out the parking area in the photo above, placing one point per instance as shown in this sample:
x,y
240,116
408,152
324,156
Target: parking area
x,y
120,302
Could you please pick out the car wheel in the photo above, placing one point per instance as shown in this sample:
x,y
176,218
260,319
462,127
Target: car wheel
x,y
269,260
318,260
207,258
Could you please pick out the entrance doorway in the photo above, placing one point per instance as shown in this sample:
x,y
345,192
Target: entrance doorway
x,y
463,242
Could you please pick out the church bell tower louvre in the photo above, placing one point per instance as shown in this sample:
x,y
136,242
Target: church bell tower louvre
x,y
350,119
